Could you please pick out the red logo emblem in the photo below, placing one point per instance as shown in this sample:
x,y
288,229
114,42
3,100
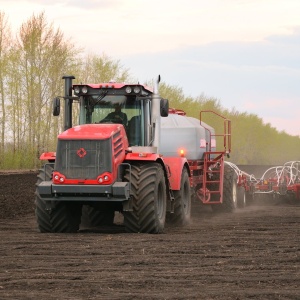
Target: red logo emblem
x,y
81,152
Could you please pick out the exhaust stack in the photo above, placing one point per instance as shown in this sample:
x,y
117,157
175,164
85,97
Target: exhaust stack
x,y
155,116
68,101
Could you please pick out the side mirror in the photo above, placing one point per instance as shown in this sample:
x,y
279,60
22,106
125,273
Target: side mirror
x,y
164,107
56,106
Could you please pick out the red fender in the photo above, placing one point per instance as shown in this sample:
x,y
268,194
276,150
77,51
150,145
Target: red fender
x,y
140,156
48,156
175,166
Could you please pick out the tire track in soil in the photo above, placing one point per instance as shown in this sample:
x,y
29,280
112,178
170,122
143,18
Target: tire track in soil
x,y
251,254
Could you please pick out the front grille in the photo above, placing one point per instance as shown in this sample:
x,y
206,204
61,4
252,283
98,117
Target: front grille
x,y
83,159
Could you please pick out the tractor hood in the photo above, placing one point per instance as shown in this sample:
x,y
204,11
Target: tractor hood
x,y
92,132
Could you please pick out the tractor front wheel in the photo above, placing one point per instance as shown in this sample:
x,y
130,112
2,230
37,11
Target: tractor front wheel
x,y
148,192
60,216
41,213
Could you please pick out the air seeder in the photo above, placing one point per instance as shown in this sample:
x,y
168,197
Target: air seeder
x,y
147,165
280,183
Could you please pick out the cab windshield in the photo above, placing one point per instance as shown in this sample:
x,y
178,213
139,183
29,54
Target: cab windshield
x,y
119,109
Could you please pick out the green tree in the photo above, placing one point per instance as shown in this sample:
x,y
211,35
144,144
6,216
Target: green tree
x,y
94,68
31,70
5,38
34,65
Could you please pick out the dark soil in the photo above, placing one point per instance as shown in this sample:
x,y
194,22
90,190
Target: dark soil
x,y
251,254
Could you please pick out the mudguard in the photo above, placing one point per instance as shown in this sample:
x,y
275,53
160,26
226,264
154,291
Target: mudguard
x,y
50,156
140,156
175,166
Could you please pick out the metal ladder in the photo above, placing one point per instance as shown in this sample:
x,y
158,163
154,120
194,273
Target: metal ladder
x,y
213,168
213,173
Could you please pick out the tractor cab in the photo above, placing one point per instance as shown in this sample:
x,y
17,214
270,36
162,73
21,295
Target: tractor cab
x,y
117,104
131,105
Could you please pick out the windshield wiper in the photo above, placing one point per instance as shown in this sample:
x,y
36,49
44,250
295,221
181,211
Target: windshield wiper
x,y
100,97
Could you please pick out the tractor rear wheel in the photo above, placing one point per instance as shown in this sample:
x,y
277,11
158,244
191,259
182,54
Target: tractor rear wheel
x,y
61,216
182,203
229,191
65,217
91,217
148,192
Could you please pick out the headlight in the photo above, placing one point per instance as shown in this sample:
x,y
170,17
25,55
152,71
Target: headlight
x,y
84,90
77,90
137,89
128,90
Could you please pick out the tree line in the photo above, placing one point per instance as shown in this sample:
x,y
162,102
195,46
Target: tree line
x,y
252,141
31,68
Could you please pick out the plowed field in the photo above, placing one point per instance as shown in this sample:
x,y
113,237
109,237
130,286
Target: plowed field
x,y
251,254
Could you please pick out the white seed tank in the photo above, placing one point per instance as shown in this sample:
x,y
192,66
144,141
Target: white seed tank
x,y
185,133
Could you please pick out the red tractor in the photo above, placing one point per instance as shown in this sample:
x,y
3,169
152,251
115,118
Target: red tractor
x,y
129,154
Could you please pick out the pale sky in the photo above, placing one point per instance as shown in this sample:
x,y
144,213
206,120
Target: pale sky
x,y
246,53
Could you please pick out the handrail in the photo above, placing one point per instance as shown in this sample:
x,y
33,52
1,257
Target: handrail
x,y
226,134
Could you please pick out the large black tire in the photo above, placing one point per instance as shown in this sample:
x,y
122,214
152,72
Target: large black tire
x,y
65,217
249,198
229,192
62,216
148,192
42,215
182,203
92,217
241,197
